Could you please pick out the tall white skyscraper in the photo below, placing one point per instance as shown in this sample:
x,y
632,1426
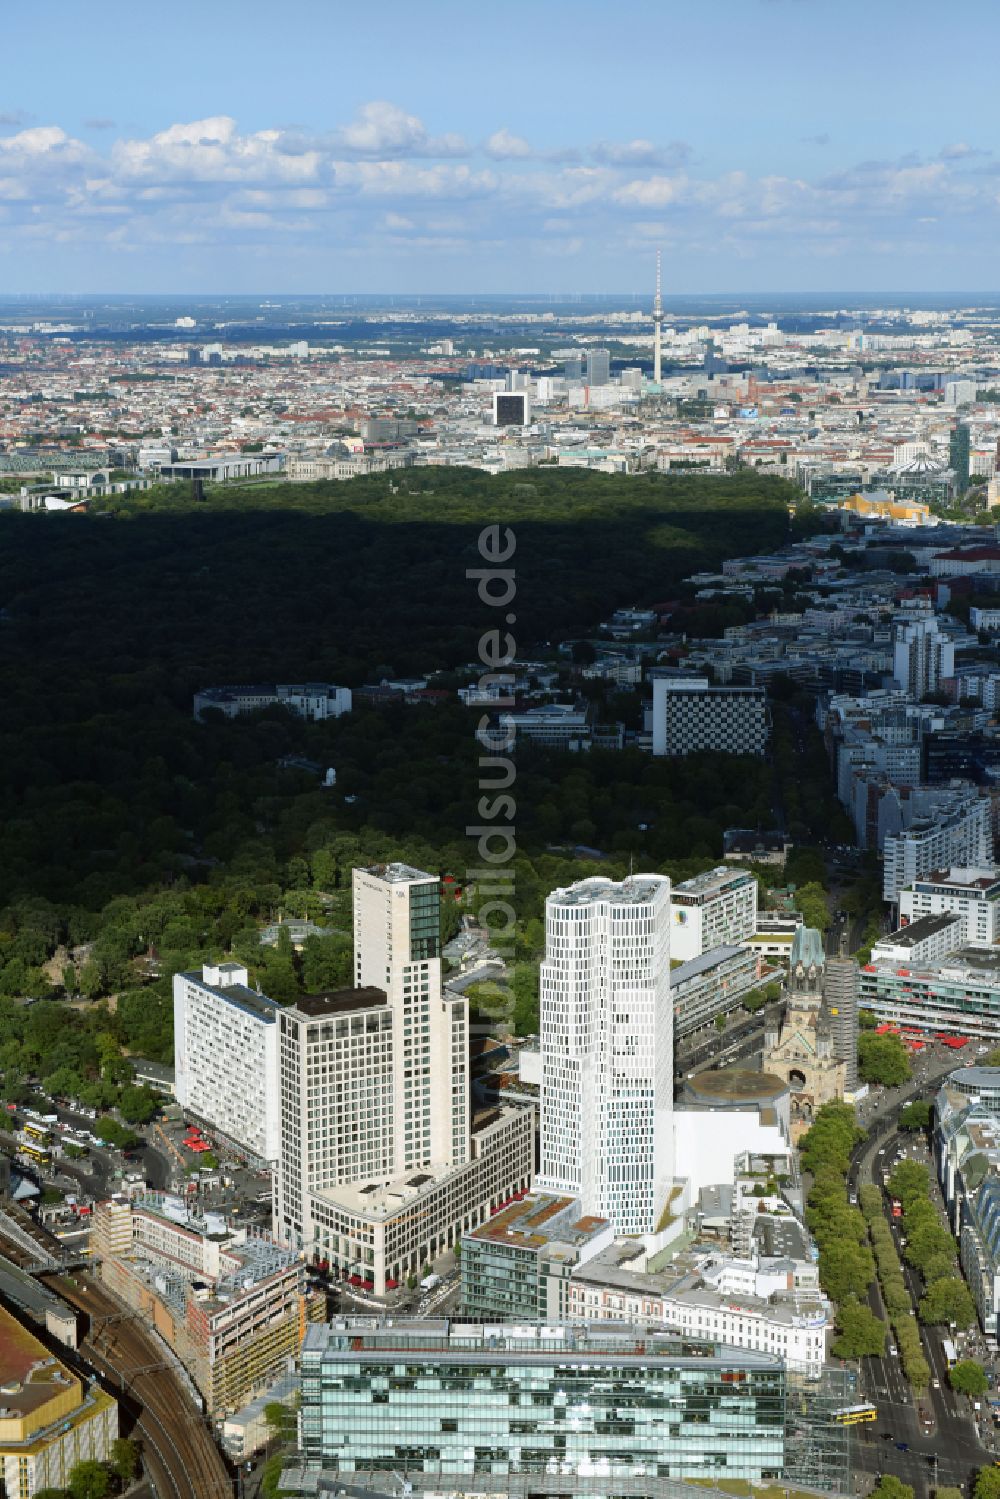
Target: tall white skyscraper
x,y
607,1049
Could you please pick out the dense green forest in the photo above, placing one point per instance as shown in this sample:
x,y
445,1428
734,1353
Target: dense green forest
x,y
126,825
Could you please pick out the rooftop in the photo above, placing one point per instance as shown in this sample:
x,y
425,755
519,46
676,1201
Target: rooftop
x,y
257,1004
734,1085
337,1002
710,882
704,962
352,1337
919,931
397,873
542,1221
636,889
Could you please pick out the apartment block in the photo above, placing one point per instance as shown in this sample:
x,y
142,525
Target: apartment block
x,y
226,1058
710,910
972,894
959,835
922,941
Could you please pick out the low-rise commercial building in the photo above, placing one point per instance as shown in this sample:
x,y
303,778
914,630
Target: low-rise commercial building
x,y
921,941
232,1304
445,1402
49,1420
711,984
959,994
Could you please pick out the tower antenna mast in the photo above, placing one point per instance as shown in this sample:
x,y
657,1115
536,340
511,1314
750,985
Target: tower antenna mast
x,y
657,323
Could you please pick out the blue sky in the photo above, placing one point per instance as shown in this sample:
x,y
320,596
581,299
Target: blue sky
x,y
515,145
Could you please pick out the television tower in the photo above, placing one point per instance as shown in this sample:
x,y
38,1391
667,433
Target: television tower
x,y
657,323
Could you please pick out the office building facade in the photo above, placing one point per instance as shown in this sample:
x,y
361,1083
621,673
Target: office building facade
x,y
710,985
452,1406
380,1169
226,1058
691,716
957,995
607,1049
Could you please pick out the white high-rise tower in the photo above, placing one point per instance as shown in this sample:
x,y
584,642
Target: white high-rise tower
x,y
607,1049
657,323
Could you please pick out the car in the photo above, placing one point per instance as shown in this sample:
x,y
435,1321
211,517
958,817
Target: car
x,y
902,1446
887,1436
935,1384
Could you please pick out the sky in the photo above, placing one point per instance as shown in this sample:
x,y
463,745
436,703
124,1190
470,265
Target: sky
x,y
548,146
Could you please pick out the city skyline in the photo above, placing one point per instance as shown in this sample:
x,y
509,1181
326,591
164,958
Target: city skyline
x,y
428,153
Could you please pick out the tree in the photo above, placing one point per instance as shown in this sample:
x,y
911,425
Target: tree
x,y
89,1480
948,1300
720,1022
915,1115
890,1487
843,1267
124,1459
754,1001
968,1378
987,1484
138,1105
925,1243
861,1334
882,1059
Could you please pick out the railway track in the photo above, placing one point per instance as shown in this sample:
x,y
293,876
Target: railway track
x,y
183,1458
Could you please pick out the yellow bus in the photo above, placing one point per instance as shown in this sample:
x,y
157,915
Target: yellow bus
x,y
36,1154
36,1132
854,1415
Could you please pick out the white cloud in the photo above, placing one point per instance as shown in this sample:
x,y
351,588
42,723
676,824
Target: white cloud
x,y
383,130
641,153
503,145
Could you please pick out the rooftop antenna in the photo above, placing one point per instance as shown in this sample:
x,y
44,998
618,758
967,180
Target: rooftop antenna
x,y
657,323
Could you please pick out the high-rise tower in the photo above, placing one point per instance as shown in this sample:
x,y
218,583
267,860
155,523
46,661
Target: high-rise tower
x,y
607,1049
657,323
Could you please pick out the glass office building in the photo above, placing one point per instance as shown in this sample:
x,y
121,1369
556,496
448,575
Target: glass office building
x,y
587,1403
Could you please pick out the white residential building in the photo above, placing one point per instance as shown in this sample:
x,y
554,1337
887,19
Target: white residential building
x,y
691,716
226,1057
973,894
923,656
922,941
607,1049
713,909
313,700
959,836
